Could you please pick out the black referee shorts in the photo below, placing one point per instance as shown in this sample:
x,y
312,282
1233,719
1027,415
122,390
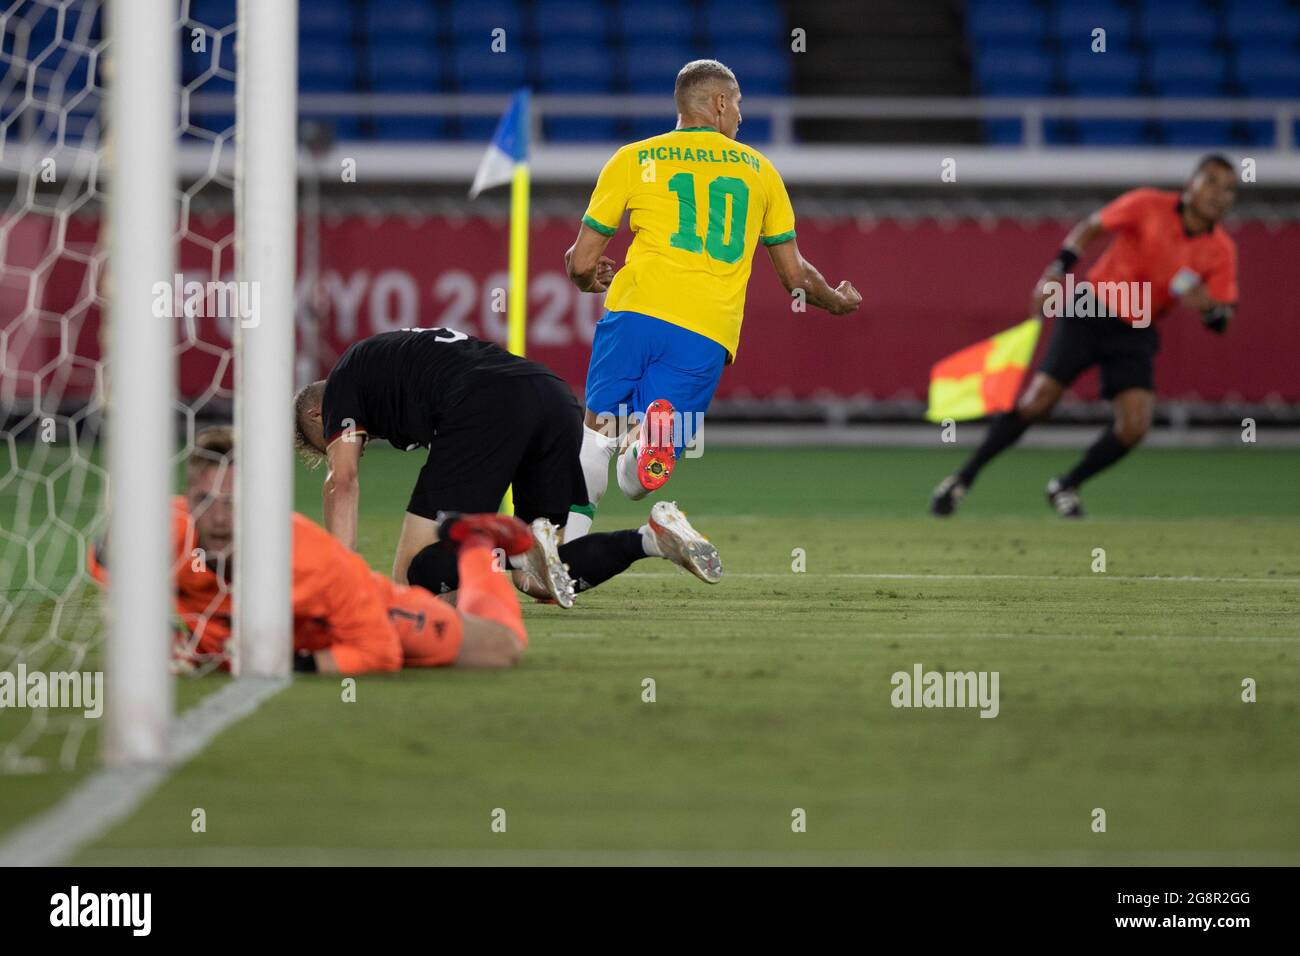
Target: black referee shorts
x,y
524,431
1126,355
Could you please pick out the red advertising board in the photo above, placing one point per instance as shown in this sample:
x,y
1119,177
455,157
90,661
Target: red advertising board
x,y
929,287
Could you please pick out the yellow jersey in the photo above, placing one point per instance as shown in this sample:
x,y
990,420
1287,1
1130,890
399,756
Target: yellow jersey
x,y
698,204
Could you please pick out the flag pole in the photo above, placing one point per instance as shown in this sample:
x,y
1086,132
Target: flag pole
x,y
517,302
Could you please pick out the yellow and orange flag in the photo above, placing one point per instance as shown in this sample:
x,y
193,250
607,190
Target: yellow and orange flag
x,y
982,379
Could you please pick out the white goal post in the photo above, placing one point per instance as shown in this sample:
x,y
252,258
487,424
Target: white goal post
x,y
266,226
103,387
142,104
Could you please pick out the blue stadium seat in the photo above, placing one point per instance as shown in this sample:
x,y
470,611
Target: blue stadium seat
x,y
1162,22
327,67
1274,74
573,20
670,21
757,131
214,13
737,20
1073,23
645,127
411,20
1197,132
1117,72
1264,19
474,21
404,66
409,128
573,69
1014,71
580,129
761,71
344,127
479,70
1005,20
1114,132
327,18
1188,72
652,68
1003,132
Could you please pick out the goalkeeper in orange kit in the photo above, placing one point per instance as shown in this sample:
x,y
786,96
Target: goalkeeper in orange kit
x,y
347,619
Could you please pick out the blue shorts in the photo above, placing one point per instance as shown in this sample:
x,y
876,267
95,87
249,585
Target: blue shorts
x,y
637,358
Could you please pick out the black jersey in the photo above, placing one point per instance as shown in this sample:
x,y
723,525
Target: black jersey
x,y
396,385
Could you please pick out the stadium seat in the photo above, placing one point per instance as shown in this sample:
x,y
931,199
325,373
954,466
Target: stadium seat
x,y
1072,24
736,21
1275,74
761,71
325,18
214,13
404,66
327,67
580,129
645,127
1262,19
1187,72
344,127
671,21
1197,132
1014,71
409,128
651,68
410,20
474,20
1166,23
573,20
573,69
1114,132
997,21
479,70
1117,72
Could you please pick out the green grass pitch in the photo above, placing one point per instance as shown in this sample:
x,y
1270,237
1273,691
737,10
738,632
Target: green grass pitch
x,y
1120,690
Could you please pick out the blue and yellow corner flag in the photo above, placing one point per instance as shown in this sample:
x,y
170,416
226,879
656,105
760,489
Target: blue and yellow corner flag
x,y
508,149
506,161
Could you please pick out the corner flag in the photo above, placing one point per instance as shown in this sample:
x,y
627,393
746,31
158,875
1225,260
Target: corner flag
x,y
506,161
982,379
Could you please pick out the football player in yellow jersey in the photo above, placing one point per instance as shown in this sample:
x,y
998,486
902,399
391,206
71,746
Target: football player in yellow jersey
x,y
698,203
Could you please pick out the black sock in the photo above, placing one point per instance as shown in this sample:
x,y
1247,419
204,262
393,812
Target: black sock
x,y
1103,453
436,568
595,558
1003,433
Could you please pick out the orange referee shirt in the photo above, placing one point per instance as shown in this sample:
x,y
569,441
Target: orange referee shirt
x,y
1152,245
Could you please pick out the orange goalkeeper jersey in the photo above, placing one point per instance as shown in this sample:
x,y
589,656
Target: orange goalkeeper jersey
x,y
363,618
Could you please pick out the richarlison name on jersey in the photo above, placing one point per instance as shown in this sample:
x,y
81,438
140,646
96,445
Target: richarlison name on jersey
x,y
686,154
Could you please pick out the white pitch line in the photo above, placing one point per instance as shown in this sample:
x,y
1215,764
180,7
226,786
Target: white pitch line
x,y
976,577
109,796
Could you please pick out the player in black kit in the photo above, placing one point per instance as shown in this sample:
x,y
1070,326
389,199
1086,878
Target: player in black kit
x,y
490,420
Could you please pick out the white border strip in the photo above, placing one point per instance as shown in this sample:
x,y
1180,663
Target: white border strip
x,y
975,577
109,796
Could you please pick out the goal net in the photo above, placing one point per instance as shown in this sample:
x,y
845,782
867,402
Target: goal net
x,y
69,364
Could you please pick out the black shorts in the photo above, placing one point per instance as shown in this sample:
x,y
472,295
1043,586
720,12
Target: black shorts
x,y
1126,355
523,431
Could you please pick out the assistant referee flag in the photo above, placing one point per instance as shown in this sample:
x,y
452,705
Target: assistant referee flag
x,y
982,379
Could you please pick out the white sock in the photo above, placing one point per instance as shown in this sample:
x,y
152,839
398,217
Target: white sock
x,y
649,543
626,472
597,449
